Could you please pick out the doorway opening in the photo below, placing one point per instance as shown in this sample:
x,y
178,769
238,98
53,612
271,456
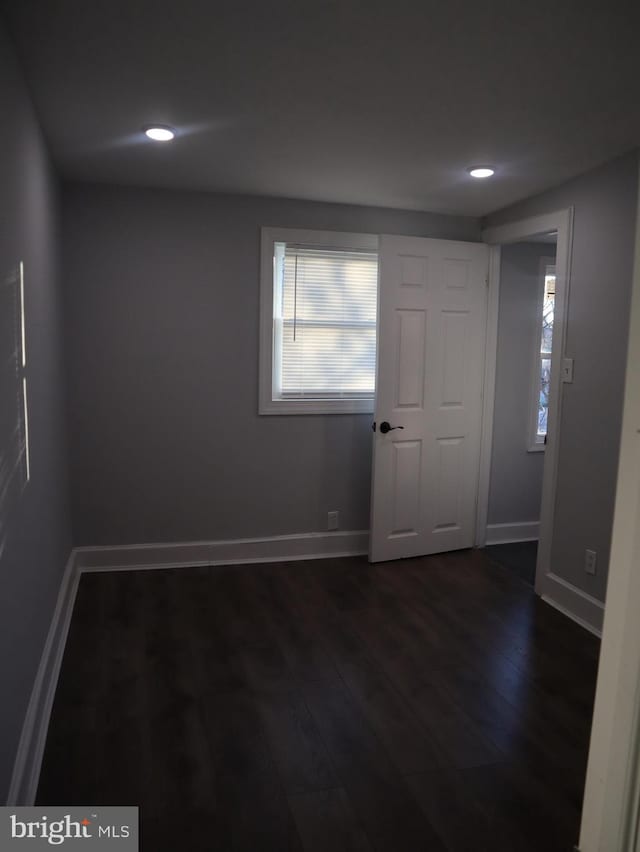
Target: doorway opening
x,y
539,394
526,306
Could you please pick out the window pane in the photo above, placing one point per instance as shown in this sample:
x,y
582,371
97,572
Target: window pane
x,y
328,361
543,400
328,323
548,306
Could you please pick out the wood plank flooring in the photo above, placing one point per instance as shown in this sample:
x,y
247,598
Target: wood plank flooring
x,y
326,706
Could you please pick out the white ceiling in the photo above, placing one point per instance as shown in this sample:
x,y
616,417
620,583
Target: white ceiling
x,y
357,101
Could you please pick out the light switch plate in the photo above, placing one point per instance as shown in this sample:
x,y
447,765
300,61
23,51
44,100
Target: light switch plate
x,y
567,370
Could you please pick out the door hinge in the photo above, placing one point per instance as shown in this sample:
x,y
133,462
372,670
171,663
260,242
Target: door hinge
x,y
373,425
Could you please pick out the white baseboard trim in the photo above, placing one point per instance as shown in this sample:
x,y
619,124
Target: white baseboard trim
x,y
573,602
26,769
282,548
510,533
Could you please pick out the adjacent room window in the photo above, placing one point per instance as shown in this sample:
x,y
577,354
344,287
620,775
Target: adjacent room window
x,y
319,311
542,358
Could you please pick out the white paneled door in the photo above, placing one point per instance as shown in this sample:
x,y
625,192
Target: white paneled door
x,y
426,448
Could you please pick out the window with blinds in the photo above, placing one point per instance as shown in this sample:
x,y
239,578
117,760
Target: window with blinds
x,y
318,314
324,322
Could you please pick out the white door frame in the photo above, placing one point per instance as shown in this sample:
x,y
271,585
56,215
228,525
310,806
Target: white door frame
x,y
548,585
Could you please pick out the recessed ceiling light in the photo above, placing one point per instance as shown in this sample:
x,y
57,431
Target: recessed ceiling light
x,y
160,132
481,171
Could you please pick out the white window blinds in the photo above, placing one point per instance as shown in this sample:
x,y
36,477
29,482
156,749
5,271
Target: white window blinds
x,y
325,303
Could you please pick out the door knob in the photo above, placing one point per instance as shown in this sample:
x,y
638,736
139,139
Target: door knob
x,y
385,427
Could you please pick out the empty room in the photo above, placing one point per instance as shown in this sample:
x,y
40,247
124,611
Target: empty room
x,y
319,418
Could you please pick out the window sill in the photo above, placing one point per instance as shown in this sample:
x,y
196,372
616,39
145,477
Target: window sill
x,y
316,406
537,448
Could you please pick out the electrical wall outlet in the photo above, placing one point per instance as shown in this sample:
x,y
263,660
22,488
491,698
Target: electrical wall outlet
x,y
590,561
332,520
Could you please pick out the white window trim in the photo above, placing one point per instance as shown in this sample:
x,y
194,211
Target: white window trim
x,y
534,444
318,239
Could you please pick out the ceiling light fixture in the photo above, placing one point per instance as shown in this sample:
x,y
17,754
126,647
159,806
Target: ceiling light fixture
x,y
481,171
160,132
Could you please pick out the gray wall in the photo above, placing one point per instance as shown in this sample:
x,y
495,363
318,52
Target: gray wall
x,y
162,292
597,330
515,490
38,539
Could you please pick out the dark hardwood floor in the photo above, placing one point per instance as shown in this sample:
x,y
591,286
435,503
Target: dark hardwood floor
x,y
429,704
519,556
